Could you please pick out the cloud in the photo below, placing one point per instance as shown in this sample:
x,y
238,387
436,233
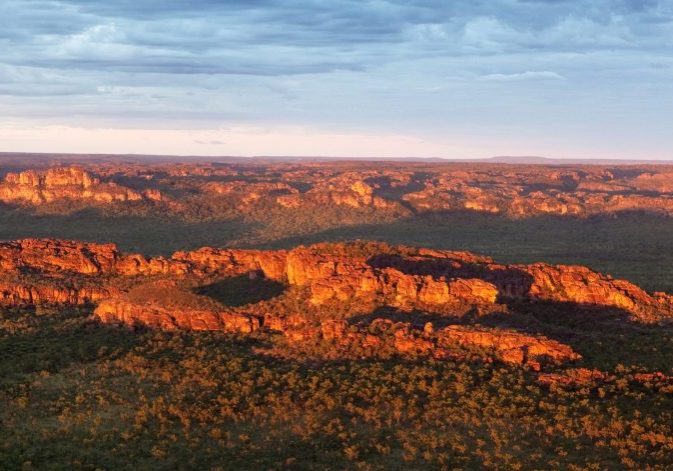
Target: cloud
x,y
298,37
379,66
213,142
527,75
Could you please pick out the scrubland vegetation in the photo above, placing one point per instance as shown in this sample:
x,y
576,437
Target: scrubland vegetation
x,y
78,395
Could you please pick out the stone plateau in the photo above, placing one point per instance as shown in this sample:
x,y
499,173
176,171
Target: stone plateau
x,y
335,292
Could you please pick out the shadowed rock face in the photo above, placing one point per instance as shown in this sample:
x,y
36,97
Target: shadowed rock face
x,y
190,291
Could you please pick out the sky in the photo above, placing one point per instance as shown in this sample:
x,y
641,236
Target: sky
x,y
371,78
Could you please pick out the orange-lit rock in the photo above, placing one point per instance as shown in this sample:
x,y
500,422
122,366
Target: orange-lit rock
x,y
511,347
334,272
573,377
349,279
25,292
168,305
117,311
69,183
367,189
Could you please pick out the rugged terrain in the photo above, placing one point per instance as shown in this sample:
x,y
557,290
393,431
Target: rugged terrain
x,y
267,342
361,298
367,188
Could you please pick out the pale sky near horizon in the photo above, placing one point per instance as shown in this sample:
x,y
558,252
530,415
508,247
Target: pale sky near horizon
x,y
464,78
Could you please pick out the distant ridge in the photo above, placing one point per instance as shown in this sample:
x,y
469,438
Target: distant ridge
x,y
521,159
23,158
537,160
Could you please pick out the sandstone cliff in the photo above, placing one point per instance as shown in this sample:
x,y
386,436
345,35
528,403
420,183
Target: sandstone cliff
x,y
69,183
330,288
403,277
359,190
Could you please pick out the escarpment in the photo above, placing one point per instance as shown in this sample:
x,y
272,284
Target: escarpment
x,y
330,293
165,304
399,276
353,193
70,184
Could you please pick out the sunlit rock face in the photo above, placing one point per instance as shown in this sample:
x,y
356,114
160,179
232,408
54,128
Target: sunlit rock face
x,y
69,183
404,277
341,293
341,193
165,304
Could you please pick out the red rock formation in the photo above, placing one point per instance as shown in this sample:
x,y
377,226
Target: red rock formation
x,y
344,191
408,278
157,317
208,260
573,377
53,256
18,291
334,276
444,282
510,347
70,183
395,189
423,278
383,336
167,305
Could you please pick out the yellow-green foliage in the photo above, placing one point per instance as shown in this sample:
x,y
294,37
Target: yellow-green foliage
x,y
77,395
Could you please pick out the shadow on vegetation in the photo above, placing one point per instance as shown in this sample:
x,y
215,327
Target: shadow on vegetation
x,y
416,318
149,235
241,290
53,342
384,188
605,336
632,246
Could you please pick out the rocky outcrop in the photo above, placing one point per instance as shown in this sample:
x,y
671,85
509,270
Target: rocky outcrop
x,y
69,183
358,189
116,311
573,377
386,337
273,264
457,279
53,178
583,286
403,277
167,305
58,256
22,291
53,256
329,287
334,276
159,292
349,192
510,347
